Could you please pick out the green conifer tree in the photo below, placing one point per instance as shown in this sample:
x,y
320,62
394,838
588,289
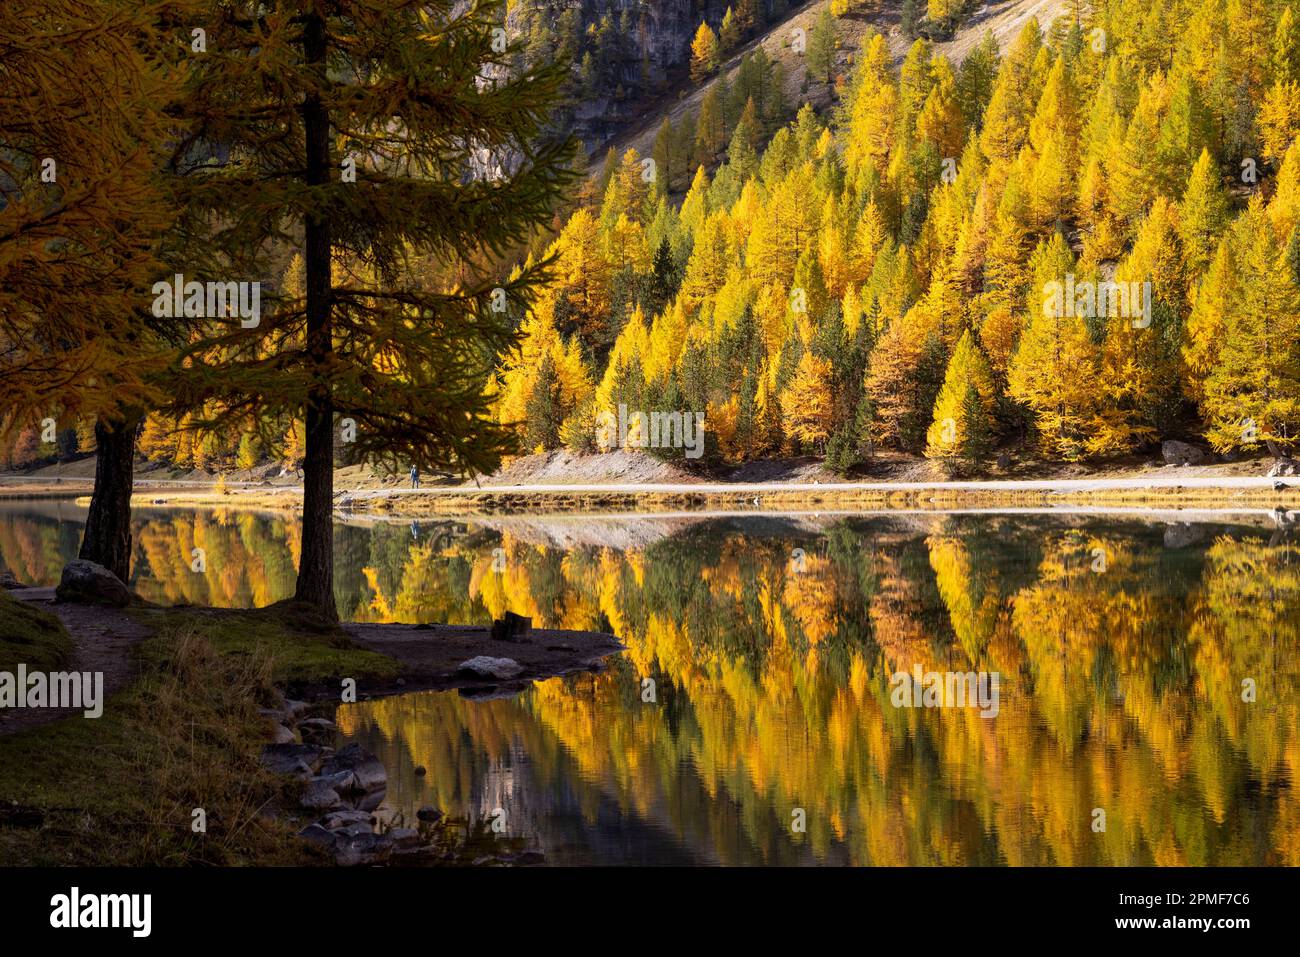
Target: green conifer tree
x,y
416,210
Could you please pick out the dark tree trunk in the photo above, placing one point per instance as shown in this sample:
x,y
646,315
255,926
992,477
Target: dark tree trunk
x,y
316,568
107,540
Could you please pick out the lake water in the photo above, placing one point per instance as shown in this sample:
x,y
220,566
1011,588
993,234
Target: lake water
x,y
1147,672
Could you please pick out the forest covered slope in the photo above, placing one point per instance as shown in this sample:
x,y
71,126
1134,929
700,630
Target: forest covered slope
x,y
1076,246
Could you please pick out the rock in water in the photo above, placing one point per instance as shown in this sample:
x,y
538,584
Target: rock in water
x,y
317,834
1180,453
342,782
86,583
317,729
482,666
404,837
346,817
361,849
368,771
318,724
511,628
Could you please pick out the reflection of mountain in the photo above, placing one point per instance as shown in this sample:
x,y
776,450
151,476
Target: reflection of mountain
x,y
570,532
624,532
1123,656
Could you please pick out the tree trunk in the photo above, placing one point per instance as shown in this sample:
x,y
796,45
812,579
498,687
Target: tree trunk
x,y
107,540
316,567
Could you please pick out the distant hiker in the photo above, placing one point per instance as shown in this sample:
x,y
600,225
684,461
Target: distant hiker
x,y
415,477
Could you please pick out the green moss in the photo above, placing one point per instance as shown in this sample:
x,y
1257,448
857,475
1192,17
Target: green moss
x,y
32,637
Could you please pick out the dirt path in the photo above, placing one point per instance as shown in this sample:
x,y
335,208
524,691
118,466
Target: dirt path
x,y
102,639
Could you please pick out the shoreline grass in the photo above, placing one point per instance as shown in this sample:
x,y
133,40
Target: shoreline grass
x,y
31,636
187,734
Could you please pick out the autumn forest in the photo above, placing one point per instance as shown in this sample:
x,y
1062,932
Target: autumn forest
x,y
857,279
492,433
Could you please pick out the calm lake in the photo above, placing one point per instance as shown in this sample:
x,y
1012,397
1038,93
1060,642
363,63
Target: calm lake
x,y
1145,670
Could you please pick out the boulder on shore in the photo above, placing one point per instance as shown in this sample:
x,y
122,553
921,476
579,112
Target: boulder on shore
x,y
1181,453
87,583
283,735
482,666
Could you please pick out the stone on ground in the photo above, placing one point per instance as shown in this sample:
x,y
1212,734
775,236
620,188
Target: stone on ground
x,y
87,583
483,666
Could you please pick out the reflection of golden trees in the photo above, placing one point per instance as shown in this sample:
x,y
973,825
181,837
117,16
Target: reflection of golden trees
x,y
31,549
248,560
424,589
1246,627
1122,664
970,591
811,596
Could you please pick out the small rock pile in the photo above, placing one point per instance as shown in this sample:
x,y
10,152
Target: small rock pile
x,y
343,793
346,788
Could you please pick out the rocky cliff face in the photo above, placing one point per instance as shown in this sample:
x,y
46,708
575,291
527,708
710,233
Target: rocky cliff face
x,y
667,27
626,53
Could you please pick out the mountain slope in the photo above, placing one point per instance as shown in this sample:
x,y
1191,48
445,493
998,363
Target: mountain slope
x,y
1005,20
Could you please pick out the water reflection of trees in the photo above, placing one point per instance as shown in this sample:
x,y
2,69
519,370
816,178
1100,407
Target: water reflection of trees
x,y
1122,661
